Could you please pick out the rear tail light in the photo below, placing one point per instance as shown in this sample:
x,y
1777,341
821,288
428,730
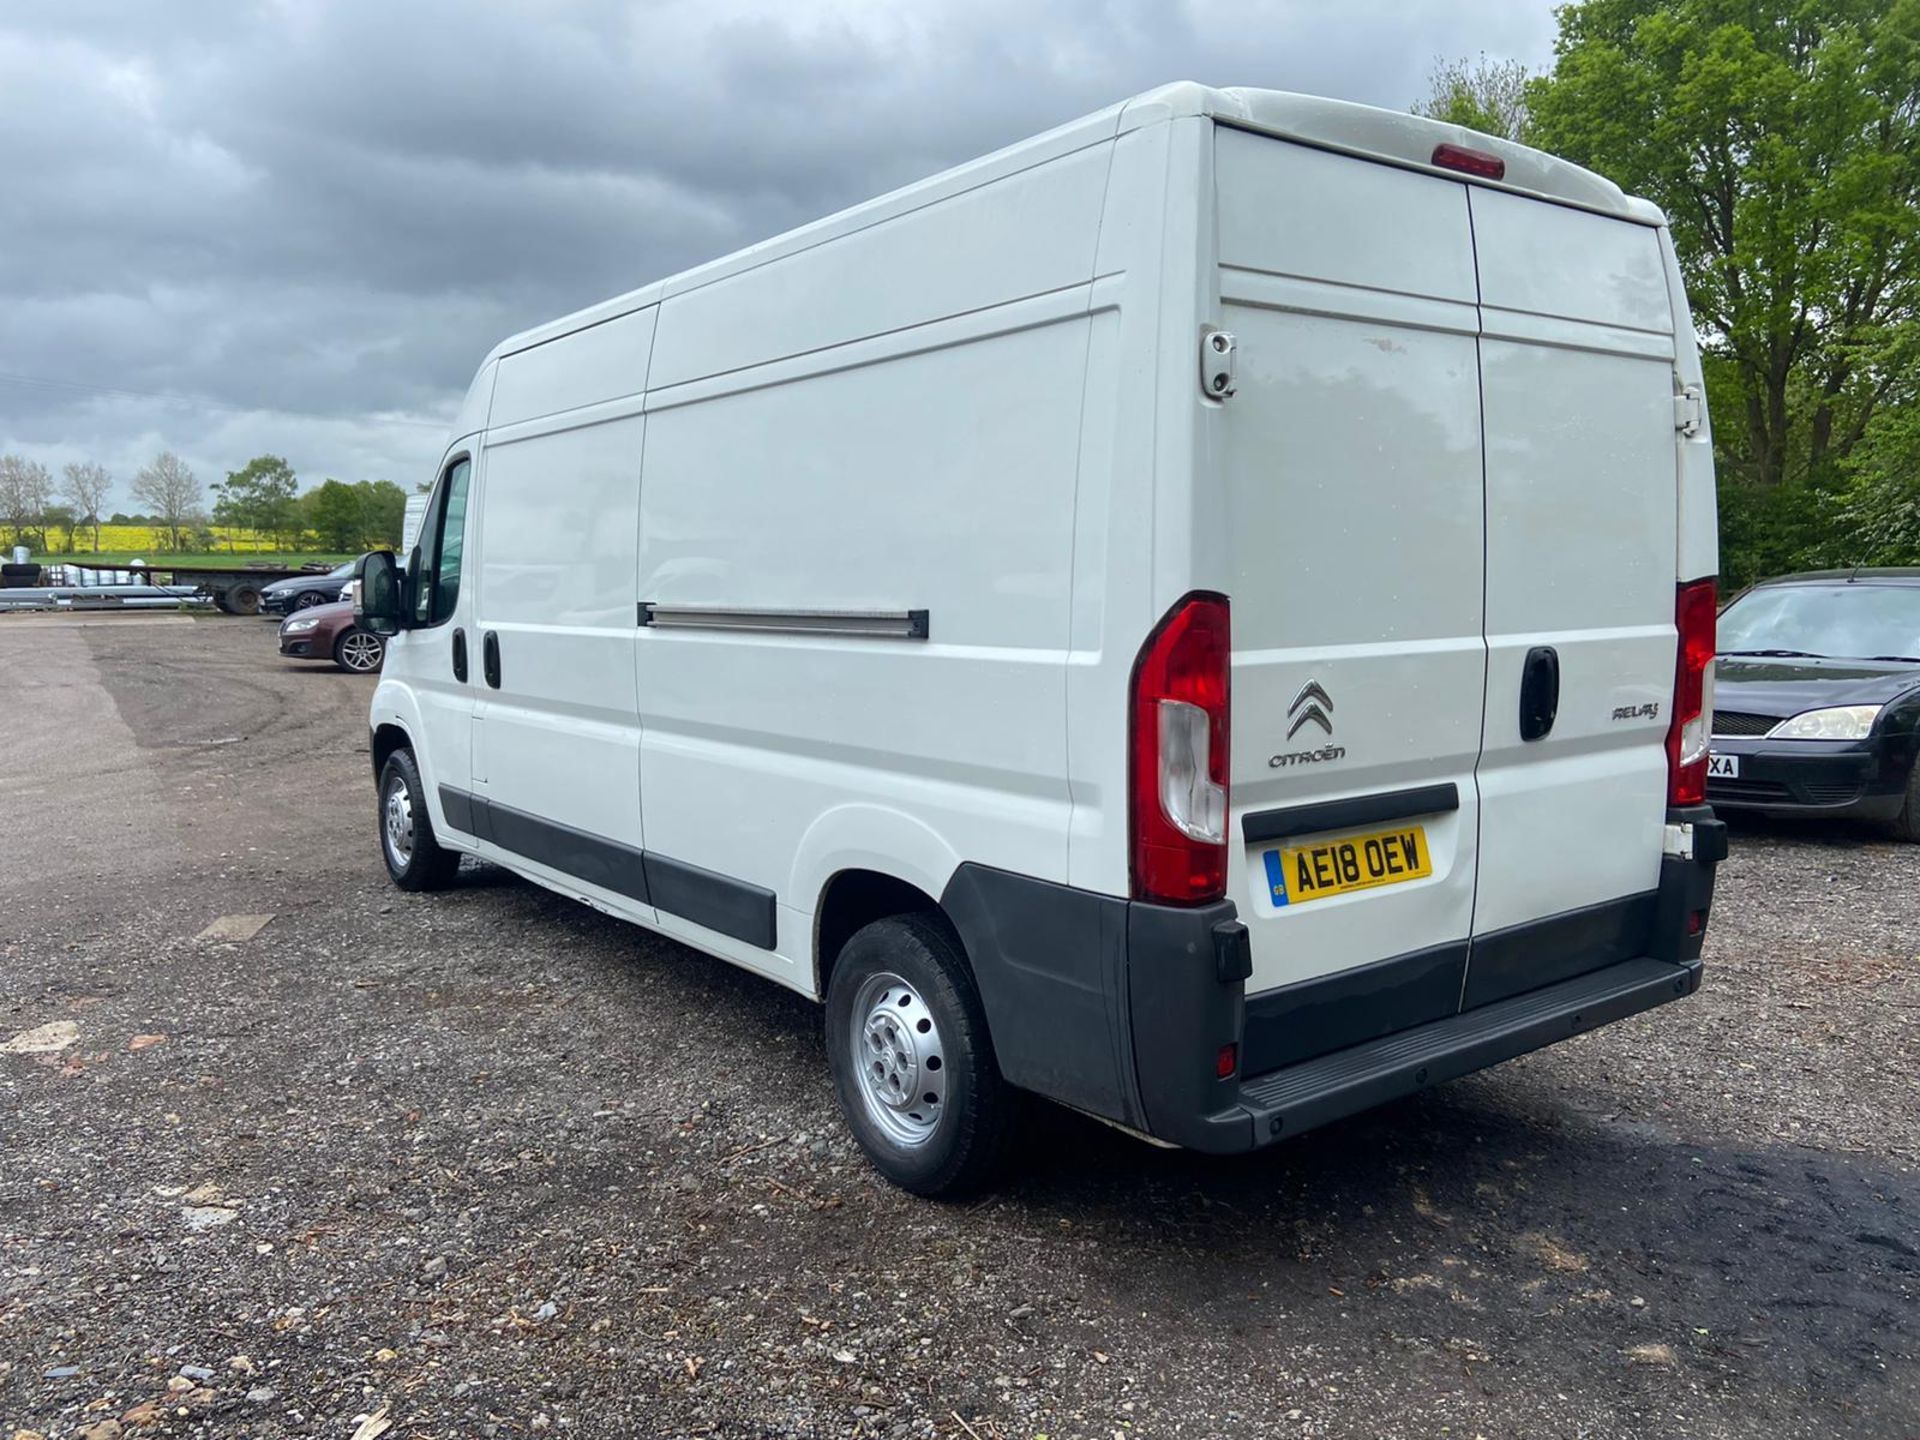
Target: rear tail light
x,y
1692,718
1177,780
1469,162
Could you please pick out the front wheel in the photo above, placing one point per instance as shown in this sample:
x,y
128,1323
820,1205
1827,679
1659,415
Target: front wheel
x,y
912,1061
415,860
359,651
1906,825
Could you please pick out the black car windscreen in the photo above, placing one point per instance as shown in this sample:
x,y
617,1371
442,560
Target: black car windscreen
x,y
1843,620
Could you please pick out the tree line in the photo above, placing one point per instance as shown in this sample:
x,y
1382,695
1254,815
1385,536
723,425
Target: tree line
x,y
1782,139
261,500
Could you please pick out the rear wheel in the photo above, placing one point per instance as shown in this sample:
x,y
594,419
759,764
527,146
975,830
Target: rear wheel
x,y
243,599
912,1061
360,651
415,860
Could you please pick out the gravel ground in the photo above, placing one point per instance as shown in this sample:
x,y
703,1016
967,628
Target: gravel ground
x,y
490,1164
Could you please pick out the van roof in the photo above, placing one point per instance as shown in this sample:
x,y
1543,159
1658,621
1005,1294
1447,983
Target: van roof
x,y
1362,130
1397,137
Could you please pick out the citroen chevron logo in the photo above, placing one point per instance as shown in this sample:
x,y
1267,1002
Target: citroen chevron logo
x,y
1311,704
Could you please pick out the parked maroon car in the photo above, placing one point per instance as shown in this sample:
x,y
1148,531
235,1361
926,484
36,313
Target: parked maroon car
x,y
328,632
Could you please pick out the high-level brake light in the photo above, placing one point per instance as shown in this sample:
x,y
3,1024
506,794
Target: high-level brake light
x,y
1469,162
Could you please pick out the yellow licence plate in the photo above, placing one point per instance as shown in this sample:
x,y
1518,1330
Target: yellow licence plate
x,y
1354,862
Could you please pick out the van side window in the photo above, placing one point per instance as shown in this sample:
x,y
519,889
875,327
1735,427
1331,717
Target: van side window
x,y
443,537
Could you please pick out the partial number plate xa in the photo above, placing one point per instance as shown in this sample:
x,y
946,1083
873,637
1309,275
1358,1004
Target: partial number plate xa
x,y
1723,767
1320,868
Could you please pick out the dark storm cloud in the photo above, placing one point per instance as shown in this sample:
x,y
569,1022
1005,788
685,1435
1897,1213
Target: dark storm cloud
x,y
313,219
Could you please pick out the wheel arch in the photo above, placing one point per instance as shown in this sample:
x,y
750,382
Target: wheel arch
x,y
861,862
387,737
852,900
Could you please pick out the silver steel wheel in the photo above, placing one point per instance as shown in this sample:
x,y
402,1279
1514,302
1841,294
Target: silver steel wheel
x,y
360,652
396,815
898,1058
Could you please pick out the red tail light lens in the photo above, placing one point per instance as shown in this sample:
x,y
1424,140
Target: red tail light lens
x,y
1470,162
1692,719
1177,766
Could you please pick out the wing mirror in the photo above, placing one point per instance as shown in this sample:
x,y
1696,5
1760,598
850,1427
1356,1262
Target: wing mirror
x,y
378,602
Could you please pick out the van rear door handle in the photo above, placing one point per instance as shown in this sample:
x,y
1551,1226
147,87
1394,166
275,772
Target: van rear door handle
x,y
1539,692
460,655
490,657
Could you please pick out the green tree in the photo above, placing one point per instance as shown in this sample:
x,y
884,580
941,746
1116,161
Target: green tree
x,y
333,511
1879,511
386,512
86,487
354,517
58,517
260,497
26,492
169,487
1485,94
1782,138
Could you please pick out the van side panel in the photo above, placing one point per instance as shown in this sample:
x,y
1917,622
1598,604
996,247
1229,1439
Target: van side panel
x,y
925,469
599,363
1131,496
1699,538
557,741
1023,235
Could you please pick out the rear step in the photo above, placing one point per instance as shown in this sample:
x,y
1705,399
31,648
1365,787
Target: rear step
x,y
1289,1101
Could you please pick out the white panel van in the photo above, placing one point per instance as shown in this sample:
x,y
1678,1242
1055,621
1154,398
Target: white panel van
x,y
1203,615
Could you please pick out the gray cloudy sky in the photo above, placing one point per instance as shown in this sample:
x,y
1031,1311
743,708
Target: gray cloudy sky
x,y
310,219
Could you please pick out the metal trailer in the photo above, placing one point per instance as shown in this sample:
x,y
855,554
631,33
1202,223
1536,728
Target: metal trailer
x,y
234,589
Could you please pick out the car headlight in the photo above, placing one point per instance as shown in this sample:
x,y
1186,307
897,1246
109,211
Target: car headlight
x,y
1842,722
299,627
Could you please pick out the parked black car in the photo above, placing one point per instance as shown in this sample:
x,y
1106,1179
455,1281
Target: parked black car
x,y
301,592
1817,698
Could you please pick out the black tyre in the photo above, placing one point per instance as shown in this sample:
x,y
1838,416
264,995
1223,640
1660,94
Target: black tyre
x,y
1906,825
912,1061
360,651
243,599
307,599
414,858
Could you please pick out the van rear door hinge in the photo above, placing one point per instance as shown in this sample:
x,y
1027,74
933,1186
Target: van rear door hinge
x,y
1689,410
1217,349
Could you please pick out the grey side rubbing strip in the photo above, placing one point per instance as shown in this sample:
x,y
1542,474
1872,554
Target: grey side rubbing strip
x,y
606,863
719,902
460,810
871,624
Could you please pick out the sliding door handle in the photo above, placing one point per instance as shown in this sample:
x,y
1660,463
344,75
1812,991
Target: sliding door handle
x,y
490,657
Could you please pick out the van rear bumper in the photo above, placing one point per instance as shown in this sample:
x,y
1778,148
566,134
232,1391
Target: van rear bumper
x,y
1124,1009
1298,1098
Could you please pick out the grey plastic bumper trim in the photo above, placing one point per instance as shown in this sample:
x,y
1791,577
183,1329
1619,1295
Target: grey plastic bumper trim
x,y
1300,1097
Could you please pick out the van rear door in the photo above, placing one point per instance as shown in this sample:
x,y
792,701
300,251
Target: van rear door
x,y
1577,382
1351,463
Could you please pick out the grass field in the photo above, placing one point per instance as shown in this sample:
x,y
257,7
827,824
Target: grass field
x,y
110,559
121,543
